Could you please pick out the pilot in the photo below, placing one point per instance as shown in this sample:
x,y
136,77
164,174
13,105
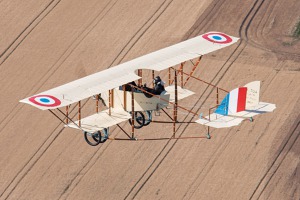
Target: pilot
x,y
158,86
128,86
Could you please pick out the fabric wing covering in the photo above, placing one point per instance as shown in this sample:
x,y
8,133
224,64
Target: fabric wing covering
x,y
121,74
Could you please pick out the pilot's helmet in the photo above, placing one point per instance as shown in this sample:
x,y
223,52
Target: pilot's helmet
x,y
157,80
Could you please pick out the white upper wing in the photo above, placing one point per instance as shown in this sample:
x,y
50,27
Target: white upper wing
x,y
121,74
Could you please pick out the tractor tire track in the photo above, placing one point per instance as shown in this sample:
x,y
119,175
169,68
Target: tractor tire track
x,y
244,35
35,158
46,144
143,183
202,21
172,146
293,136
30,164
255,29
258,39
234,56
242,45
28,29
240,31
230,135
126,49
115,60
69,50
14,45
208,13
60,123
118,59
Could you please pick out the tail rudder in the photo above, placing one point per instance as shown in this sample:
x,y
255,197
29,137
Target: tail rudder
x,y
234,101
252,94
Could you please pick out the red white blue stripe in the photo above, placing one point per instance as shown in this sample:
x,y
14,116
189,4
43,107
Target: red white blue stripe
x,y
235,101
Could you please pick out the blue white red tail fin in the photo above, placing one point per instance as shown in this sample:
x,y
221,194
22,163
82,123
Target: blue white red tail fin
x,y
234,101
239,104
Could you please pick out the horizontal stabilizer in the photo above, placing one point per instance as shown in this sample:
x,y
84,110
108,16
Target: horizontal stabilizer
x,y
222,121
260,108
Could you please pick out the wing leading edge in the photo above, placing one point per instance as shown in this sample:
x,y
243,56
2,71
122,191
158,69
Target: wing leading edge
x,y
121,74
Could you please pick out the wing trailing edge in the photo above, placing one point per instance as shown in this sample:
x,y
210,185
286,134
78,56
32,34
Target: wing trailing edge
x,y
121,74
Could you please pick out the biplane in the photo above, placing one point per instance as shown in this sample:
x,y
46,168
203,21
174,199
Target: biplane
x,y
124,100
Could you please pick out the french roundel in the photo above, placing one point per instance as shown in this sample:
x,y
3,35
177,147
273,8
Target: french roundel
x,y
45,100
220,38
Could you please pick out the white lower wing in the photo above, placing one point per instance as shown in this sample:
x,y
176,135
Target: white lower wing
x,y
101,120
182,93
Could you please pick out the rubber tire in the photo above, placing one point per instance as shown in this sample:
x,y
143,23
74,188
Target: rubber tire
x,y
103,136
149,115
208,136
141,121
89,142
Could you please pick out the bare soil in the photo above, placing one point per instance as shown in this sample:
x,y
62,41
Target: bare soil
x,y
47,43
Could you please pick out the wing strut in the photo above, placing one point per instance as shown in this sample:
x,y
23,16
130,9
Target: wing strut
x,y
169,70
109,102
175,104
125,97
152,78
79,112
67,114
192,72
132,113
67,117
180,71
97,103
181,75
203,81
157,96
57,117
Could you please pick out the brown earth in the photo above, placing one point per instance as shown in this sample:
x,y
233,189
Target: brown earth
x,y
44,44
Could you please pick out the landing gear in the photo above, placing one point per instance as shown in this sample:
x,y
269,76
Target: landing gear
x,y
148,118
139,118
208,136
98,137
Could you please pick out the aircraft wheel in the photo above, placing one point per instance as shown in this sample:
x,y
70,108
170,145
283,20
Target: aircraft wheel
x,y
98,137
251,119
208,136
101,135
88,135
148,118
139,118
